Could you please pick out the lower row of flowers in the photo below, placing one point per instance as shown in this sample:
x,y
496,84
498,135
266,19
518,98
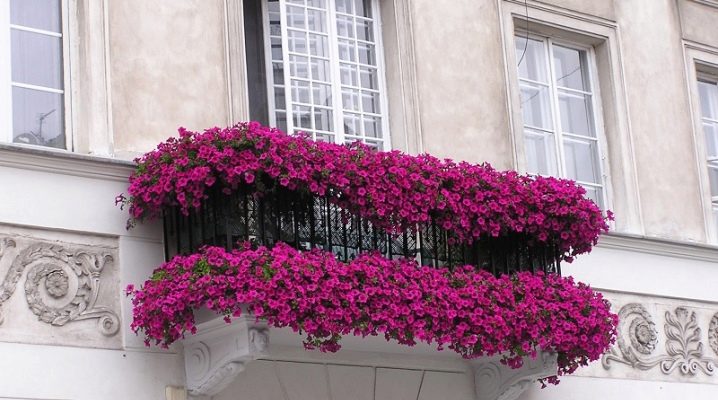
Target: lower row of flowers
x,y
465,309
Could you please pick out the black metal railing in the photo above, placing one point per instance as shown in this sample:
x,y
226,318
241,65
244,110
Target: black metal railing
x,y
306,222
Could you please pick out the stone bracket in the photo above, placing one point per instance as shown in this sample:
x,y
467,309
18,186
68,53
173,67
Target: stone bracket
x,y
495,381
219,351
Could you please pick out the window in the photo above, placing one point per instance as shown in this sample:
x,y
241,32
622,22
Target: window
x,y
708,92
324,71
31,73
558,103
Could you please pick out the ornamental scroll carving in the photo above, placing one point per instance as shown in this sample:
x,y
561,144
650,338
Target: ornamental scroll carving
x,y
684,350
61,284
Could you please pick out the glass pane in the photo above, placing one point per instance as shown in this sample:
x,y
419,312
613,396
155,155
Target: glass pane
x,y
533,65
280,99
576,113
348,74
320,70
345,26
276,44
323,119
365,31
370,102
278,73
318,45
372,126
38,14
300,91
535,106
295,17
362,8
582,162
711,132
316,20
347,50
366,53
540,153
352,124
36,59
713,177
297,41
282,120
709,99
350,99
38,118
344,6
595,194
316,3
325,137
299,66
302,117
322,94
570,68
369,78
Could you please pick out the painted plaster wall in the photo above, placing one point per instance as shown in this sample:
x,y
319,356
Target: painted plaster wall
x,y
167,69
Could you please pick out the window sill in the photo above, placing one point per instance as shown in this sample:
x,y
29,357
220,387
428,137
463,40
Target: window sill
x,y
64,162
659,246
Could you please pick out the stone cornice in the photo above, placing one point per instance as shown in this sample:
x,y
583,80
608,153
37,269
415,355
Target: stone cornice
x,y
64,162
657,246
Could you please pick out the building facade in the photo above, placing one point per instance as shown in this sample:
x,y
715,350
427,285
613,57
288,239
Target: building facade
x,y
619,95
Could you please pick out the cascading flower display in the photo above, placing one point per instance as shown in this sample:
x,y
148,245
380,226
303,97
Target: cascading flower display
x,y
467,310
390,189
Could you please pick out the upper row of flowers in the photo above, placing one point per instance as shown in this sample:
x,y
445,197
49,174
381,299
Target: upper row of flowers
x,y
391,189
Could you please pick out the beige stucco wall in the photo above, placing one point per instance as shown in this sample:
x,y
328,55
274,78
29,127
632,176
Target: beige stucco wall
x,y
167,69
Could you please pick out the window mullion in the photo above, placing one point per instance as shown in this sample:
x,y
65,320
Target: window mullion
x,y
335,78
285,60
553,94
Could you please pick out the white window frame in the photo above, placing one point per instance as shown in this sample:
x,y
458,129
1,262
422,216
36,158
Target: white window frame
x,y
596,117
6,83
702,65
337,109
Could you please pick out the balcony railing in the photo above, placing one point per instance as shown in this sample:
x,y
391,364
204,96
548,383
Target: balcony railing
x,y
304,222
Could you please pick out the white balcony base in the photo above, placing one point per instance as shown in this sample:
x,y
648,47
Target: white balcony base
x,y
365,368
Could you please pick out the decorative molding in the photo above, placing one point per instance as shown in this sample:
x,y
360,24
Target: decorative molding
x,y
683,346
220,351
713,334
661,247
64,162
495,381
61,285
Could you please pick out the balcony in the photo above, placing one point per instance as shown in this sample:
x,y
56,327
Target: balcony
x,y
278,234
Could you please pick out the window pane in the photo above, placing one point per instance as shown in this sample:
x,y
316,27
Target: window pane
x,y
369,78
365,30
540,152
711,132
362,8
344,6
709,99
372,126
576,113
302,117
582,162
570,68
713,177
349,74
352,124
533,65
38,14
300,91
535,106
36,59
38,118
316,20
595,194
345,26
299,67
350,99
278,72
322,94
297,41
370,102
320,70
295,17
366,53
280,100
318,45
323,119
347,50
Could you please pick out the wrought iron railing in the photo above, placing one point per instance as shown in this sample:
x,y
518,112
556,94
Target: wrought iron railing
x,y
306,222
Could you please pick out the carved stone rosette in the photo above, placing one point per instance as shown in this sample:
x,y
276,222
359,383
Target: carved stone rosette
x,y
61,284
683,345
